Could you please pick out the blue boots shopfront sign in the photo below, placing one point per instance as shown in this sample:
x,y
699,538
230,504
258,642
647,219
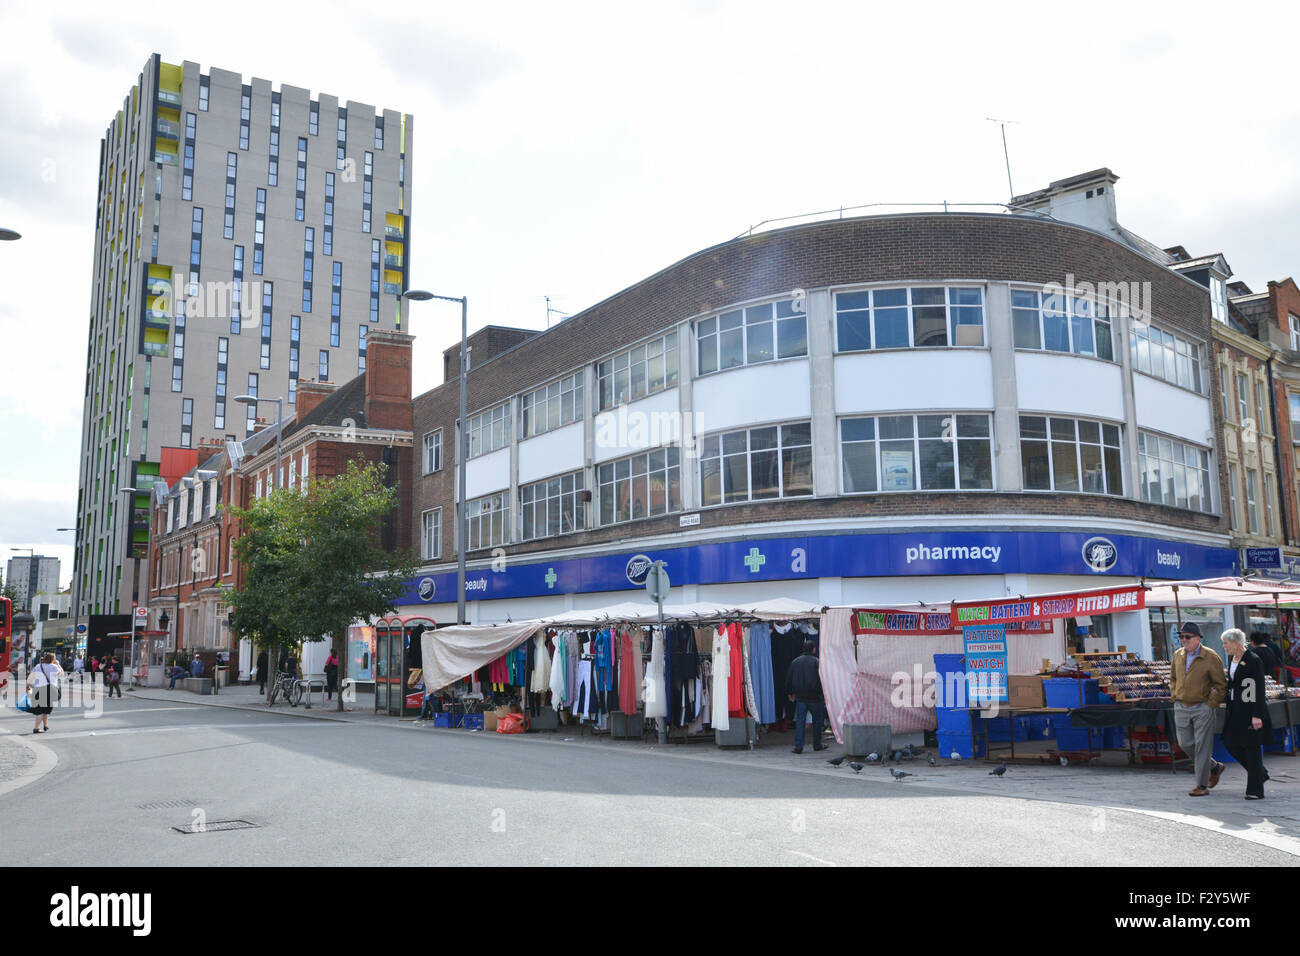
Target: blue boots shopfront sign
x,y
845,555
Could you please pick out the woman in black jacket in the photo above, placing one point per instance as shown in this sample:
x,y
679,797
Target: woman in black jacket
x,y
1247,722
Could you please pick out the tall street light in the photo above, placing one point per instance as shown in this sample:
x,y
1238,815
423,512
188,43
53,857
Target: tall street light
x,y
462,442
279,426
76,577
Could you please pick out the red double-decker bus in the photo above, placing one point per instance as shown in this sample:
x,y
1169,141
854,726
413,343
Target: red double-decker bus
x,y
6,637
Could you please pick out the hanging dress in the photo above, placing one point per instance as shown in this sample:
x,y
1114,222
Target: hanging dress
x,y
656,697
760,666
721,678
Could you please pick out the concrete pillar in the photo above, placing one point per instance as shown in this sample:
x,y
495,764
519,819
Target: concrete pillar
x,y
821,373
1006,399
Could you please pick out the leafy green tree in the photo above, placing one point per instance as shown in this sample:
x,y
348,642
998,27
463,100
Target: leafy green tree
x,y
314,563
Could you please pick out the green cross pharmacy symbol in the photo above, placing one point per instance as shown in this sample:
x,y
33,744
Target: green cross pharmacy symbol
x,y
754,560
550,577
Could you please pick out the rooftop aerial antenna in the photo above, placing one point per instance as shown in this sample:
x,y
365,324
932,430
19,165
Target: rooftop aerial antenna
x,y
1005,155
551,311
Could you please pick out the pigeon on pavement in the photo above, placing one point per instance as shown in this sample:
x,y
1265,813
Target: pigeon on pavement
x,y
932,761
836,761
857,767
900,774
954,756
873,757
998,771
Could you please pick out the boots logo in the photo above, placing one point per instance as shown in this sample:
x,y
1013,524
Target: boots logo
x,y
638,567
1100,554
427,589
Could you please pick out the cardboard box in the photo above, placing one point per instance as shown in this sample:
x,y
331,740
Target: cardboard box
x,y
1025,691
490,721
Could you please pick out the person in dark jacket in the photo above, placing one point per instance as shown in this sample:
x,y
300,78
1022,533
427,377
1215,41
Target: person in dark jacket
x,y
263,663
803,685
331,675
1262,649
1247,719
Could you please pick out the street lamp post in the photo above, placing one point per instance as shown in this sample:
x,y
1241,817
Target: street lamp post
x,y
76,576
462,443
279,425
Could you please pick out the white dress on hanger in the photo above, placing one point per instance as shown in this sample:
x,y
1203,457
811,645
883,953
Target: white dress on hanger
x,y
558,671
721,674
541,681
656,697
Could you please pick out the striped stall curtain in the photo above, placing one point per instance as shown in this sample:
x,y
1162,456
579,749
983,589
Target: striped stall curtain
x,y
861,690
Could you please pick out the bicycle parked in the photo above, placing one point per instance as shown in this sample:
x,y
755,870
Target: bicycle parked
x,y
287,686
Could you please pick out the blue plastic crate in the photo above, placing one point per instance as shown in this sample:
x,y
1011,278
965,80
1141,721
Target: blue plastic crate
x,y
1075,739
442,719
469,721
952,691
954,721
1113,738
1069,692
964,745
1003,729
1282,740
1040,726
950,663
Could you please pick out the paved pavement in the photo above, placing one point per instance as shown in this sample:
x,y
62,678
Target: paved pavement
x,y
1103,791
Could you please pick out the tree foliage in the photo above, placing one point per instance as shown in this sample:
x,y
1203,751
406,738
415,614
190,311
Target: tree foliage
x,y
313,563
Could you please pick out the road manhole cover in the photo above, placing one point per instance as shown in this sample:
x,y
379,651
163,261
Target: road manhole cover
x,y
167,805
216,825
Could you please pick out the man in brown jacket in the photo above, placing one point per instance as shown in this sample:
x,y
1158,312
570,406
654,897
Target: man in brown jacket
x,y
1199,686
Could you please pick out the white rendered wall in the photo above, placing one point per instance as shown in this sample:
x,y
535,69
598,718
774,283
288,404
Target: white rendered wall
x,y
941,379
487,473
1175,411
637,426
1071,385
753,395
553,453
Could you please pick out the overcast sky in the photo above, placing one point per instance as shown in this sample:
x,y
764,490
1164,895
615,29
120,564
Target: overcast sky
x,y
570,150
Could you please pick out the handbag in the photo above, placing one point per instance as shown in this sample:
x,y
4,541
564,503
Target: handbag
x,y
25,703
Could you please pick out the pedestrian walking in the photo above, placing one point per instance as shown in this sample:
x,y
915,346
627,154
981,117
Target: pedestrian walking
x,y
113,676
263,665
79,667
803,685
331,674
1198,687
43,689
1244,730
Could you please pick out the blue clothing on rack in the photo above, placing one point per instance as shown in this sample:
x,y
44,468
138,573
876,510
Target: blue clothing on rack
x,y
603,651
760,669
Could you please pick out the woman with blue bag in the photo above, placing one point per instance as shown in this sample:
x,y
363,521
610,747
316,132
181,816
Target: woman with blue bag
x,y
43,690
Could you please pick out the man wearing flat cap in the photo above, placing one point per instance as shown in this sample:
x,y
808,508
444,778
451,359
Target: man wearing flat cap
x,y
1199,686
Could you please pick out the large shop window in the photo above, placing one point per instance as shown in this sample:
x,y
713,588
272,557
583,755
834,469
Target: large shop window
x,y
489,431
1064,454
758,333
759,463
488,520
553,506
1060,323
638,372
641,486
1164,355
1174,473
916,452
926,317
551,406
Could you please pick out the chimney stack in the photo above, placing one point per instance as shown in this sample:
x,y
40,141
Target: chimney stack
x,y
311,394
388,380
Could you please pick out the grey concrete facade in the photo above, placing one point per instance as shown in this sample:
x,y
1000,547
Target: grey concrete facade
x,y
156,384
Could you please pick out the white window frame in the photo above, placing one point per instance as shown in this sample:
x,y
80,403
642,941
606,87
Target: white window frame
x,y
428,552
1078,444
709,331
1163,457
495,424
1294,321
1268,503
432,444
950,315
619,367
535,407
1073,308
542,497
1252,502
484,509
1232,496
1145,338
722,456
625,472
1243,398
956,439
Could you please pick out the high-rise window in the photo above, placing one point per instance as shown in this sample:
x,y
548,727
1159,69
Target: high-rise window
x,y
205,83
644,370
489,431
245,113
328,238
756,463
342,142
1167,356
1065,454
323,368
374,279
361,349
237,292
432,456
308,256
223,359
551,406
758,333
1174,473
552,507
925,317
336,302
640,486
313,119
488,521
916,452
1061,323
379,132
268,302
431,533
232,167
250,421
187,422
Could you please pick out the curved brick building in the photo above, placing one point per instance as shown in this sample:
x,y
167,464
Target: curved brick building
x,y
871,411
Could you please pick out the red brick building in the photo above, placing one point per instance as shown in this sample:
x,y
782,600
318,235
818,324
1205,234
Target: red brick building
x,y
193,533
